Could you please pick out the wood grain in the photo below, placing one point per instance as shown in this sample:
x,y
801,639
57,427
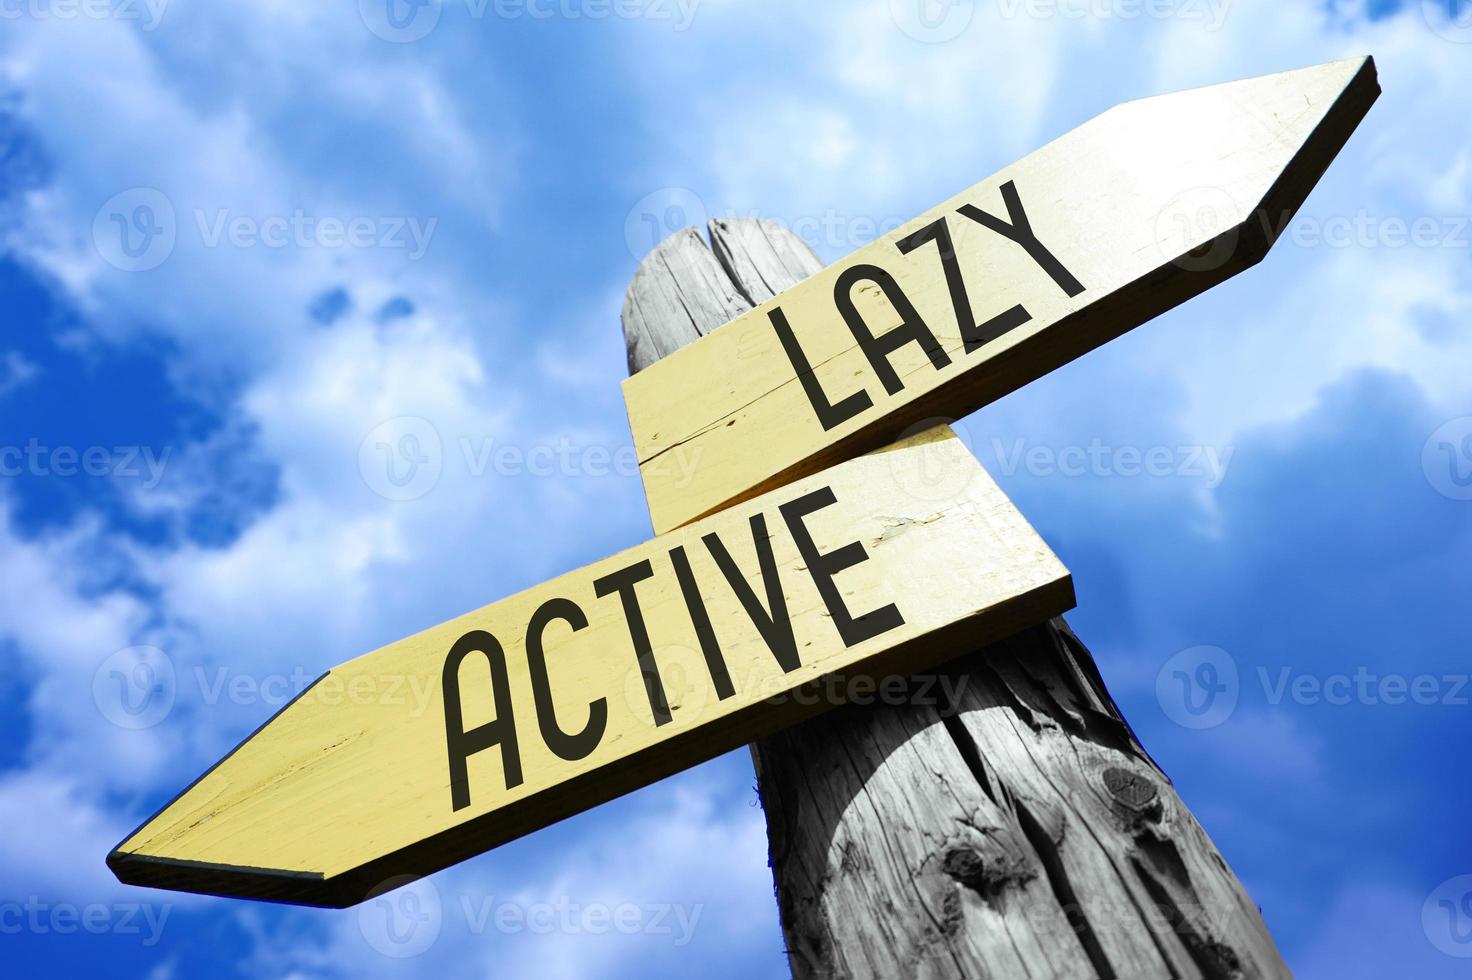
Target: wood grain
x,y
1016,830
1099,231
487,727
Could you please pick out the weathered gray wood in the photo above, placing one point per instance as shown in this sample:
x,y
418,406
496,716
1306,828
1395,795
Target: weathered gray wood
x,y
679,292
1002,821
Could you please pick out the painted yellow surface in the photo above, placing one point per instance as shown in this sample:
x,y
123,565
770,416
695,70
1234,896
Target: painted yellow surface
x,y
1092,235
353,783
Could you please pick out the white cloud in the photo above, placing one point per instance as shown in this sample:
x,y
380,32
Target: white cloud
x,y
16,372
143,126
685,865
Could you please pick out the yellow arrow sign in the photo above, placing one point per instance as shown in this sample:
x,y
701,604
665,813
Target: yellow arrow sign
x,y
1112,224
509,718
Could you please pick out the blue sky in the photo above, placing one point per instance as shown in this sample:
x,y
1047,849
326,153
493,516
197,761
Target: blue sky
x,y
190,501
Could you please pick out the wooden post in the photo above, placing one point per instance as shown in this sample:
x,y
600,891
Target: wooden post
x,y
1014,829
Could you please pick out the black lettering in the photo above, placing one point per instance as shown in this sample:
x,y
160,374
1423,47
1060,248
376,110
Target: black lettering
x,y
623,583
973,334
1019,230
501,731
823,568
829,415
775,626
566,746
911,329
700,619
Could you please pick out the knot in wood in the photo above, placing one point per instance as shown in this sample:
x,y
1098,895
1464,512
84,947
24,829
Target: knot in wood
x,y
965,866
1129,788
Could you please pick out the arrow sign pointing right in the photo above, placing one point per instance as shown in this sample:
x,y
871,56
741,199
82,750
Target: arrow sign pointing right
x,y
1108,226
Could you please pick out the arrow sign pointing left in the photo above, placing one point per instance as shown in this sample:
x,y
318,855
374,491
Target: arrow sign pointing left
x,y
504,720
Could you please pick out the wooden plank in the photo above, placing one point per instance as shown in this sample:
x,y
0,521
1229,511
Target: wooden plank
x,y
504,720
998,818
1099,231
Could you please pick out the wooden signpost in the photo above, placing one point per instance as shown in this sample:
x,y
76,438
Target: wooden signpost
x,y
799,543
